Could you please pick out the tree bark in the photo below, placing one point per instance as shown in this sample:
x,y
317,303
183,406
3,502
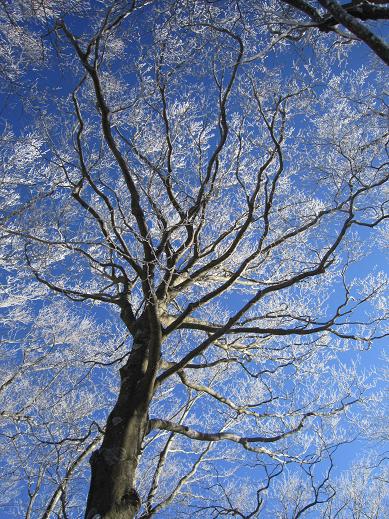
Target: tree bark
x,y
112,493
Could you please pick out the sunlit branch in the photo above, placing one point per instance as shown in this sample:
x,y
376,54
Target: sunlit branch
x,y
157,423
50,508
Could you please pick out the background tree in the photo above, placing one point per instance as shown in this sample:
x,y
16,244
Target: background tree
x,y
355,16
182,227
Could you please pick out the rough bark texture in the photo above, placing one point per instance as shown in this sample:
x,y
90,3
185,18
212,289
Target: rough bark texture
x,y
112,493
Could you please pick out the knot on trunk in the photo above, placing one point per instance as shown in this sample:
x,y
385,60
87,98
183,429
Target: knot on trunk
x,y
131,499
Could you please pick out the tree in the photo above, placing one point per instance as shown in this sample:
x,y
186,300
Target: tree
x,y
183,220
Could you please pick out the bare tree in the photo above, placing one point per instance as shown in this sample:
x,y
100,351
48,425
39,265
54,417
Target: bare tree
x,y
183,220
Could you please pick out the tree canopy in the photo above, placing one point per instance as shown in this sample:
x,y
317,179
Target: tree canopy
x,y
194,208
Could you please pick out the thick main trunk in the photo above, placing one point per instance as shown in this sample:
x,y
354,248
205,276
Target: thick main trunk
x,y
112,493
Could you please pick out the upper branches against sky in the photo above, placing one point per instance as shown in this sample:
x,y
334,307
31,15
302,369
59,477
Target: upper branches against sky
x,y
26,25
189,205
353,16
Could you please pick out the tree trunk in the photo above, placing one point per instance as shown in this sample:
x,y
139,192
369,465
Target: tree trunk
x,y
112,493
